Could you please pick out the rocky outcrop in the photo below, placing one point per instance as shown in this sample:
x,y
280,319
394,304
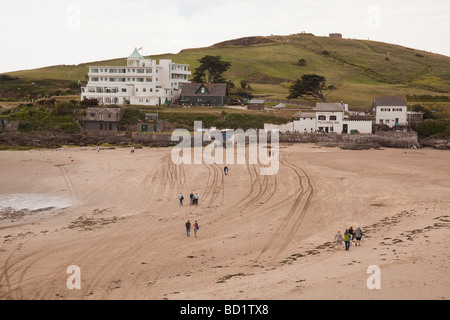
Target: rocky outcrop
x,y
436,143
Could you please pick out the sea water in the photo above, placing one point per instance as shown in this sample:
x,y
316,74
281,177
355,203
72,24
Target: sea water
x,y
32,202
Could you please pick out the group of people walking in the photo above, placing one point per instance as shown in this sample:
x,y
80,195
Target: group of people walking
x,y
188,228
193,199
350,236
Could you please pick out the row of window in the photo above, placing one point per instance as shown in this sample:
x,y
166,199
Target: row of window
x,y
178,67
98,79
121,70
324,118
97,70
392,109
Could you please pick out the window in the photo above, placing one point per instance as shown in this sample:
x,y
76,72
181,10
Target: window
x,y
112,70
94,79
94,70
148,71
124,89
140,70
203,90
334,118
322,118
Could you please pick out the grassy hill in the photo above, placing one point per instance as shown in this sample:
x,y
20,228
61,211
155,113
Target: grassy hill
x,y
359,69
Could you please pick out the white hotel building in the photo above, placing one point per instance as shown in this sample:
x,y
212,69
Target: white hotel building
x,y
141,82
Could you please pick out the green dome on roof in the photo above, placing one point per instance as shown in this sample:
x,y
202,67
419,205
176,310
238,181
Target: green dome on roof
x,y
135,54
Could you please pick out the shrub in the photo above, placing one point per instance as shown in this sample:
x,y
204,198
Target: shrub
x,y
302,63
89,103
431,127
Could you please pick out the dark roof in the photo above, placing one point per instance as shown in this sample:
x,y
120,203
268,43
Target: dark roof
x,y
390,101
215,89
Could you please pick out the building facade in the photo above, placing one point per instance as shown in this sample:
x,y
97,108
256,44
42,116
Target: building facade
x,y
213,94
327,118
391,110
256,105
102,119
141,82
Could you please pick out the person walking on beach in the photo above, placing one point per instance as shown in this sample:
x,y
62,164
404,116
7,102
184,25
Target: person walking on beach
x,y
338,239
180,196
196,199
191,197
358,236
352,234
188,228
347,240
196,227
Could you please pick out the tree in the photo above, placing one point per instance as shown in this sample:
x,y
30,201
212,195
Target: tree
x,y
302,63
309,87
243,84
211,69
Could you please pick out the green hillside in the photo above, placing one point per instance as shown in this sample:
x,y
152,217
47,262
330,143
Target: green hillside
x,y
359,69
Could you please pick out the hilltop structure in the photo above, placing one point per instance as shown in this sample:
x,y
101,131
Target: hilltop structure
x,y
335,35
142,82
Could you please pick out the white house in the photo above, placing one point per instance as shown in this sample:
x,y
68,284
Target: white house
x,y
305,122
328,118
391,110
142,82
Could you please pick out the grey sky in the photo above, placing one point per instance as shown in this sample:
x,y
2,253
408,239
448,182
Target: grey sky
x,y
51,32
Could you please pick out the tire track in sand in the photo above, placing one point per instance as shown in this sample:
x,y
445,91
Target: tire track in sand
x,y
289,227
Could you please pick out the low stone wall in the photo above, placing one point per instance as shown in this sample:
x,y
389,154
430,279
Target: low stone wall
x,y
355,141
54,140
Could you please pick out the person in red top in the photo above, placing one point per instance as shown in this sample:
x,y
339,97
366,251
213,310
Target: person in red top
x,y
196,227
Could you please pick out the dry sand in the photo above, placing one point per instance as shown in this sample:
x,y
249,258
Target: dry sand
x,y
116,216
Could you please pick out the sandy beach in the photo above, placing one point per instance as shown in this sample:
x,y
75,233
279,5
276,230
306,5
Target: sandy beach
x,y
116,216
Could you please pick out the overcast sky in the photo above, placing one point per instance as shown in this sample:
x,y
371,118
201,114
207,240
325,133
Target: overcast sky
x,y
51,32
